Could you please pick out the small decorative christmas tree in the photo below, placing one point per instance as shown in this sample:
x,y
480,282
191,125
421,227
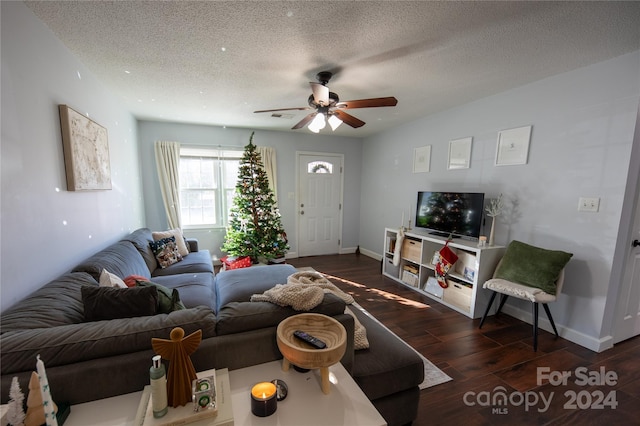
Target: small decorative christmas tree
x,y
15,409
255,228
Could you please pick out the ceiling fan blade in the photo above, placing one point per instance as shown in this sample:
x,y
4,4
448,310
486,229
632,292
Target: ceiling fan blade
x,y
284,109
348,119
320,93
304,121
368,103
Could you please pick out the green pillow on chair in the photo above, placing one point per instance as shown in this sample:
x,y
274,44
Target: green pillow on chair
x,y
168,299
532,266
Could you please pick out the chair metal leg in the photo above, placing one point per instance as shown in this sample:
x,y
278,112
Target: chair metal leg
x,y
546,309
503,298
486,312
535,327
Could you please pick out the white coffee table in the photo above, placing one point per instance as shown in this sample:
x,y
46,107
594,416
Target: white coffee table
x,y
305,404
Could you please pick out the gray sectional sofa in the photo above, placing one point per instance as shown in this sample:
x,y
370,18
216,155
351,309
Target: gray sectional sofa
x,y
92,360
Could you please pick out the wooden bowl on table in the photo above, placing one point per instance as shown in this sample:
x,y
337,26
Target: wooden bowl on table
x,y
302,354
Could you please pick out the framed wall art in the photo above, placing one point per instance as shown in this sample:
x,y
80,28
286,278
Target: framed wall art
x,y
460,153
421,159
86,152
513,146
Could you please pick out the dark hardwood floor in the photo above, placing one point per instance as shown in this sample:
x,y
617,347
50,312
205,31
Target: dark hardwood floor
x,y
497,360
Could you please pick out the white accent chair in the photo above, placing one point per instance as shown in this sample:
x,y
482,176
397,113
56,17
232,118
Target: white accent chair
x,y
534,295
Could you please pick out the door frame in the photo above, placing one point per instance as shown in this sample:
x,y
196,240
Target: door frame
x,y
297,187
623,244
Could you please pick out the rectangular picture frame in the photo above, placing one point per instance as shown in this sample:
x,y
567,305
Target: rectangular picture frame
x,y
422,159
513,146
460,153
86,152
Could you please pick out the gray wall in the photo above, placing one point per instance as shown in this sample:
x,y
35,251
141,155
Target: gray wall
x,y
583,127
46,230
286,145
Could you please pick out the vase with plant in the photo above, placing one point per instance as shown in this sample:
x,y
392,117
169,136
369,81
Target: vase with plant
x,y
494,209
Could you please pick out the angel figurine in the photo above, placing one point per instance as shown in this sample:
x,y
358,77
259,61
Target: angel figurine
x,y
181,372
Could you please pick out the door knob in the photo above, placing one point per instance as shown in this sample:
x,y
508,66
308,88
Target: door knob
x,y
635,243
301,211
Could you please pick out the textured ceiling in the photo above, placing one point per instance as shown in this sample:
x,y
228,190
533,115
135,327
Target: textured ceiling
x,y
216,62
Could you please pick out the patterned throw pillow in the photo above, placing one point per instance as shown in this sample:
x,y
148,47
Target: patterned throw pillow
x,y
166,251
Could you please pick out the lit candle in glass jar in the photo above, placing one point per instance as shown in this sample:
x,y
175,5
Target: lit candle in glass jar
x,y
263,399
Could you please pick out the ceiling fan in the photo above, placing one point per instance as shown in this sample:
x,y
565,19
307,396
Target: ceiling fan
x,y
329,108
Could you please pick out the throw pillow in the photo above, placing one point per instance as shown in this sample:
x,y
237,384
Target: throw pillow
x,y
168,299
106,303
166,251
107,279
532,266
179,239
130,281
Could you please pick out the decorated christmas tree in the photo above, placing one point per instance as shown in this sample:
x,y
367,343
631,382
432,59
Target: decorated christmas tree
x,y
255,228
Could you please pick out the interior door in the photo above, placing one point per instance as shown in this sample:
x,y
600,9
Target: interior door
x,y
319,203
627,316
628,311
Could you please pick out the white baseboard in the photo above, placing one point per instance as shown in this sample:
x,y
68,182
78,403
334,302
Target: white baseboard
x,y
589,342
371,254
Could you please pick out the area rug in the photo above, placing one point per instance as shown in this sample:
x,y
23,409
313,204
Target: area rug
x,y
432,375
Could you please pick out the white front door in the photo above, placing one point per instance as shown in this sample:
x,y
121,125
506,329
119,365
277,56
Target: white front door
x,y
319,205
628,309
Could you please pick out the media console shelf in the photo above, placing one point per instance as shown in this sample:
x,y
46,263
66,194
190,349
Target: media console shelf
x,y
416,269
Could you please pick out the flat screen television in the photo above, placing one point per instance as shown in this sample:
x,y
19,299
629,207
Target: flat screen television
x,y
450,213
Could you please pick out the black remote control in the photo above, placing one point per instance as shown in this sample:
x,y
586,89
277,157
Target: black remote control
x,y
313,341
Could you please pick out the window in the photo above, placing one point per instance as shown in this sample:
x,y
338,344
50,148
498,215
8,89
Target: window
x,y
208,178
319,167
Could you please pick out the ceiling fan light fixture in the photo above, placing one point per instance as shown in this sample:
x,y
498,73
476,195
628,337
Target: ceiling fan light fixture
x,y
334,122
318,123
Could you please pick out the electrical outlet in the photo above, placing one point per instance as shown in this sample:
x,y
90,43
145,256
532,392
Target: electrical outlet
x,y
588,204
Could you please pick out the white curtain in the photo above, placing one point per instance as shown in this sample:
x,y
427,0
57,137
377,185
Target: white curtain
x,y
268,155
168,163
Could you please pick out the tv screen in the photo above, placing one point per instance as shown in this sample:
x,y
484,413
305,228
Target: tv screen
x,y
445,213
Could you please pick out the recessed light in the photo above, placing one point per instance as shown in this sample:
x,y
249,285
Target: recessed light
x,y
79,76
127,72
224,49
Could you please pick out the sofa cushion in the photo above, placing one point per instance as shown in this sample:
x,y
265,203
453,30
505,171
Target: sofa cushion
x,y
388,366
120,258
236,317
238,285
199,261
75,343
63,305
131,280
181,243
140,238
107,279
166,251
105,303
168,299
195,289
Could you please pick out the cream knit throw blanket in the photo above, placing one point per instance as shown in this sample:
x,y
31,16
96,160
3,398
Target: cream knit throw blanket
x,y
304,291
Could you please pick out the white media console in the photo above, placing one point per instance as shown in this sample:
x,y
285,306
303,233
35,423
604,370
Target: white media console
x,y
475,265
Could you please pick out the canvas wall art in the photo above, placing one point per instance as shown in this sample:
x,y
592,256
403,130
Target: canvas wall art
x,y
86,152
